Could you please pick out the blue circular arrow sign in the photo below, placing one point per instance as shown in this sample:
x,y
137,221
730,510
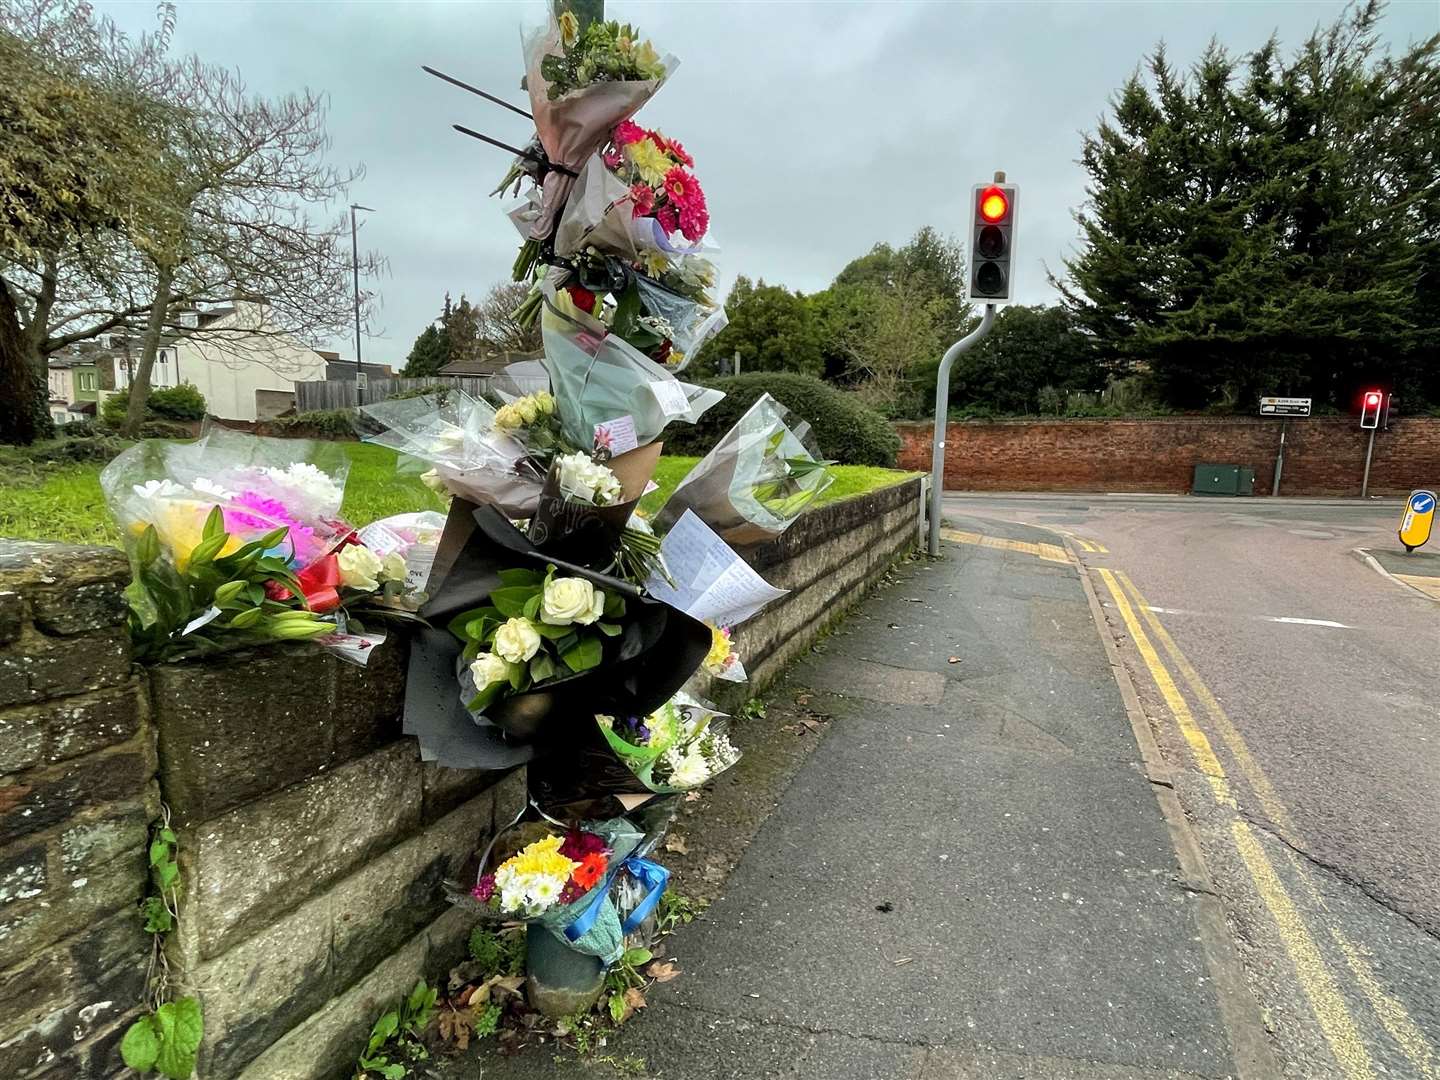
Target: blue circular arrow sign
x,y
1422,502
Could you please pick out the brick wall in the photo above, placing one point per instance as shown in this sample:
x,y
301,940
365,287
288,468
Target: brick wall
x,y
1323,456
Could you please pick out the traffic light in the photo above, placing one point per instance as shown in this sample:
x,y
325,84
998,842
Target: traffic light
x,y
1370,406
992,246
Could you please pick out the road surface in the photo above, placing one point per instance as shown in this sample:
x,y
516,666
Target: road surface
x,y
1295,692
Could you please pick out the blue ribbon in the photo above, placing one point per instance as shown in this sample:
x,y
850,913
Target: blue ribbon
x,y
651,875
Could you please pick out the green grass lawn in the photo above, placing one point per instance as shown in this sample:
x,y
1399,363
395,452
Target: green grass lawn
x,y
64,502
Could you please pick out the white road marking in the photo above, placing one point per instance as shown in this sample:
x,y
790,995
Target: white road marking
x,y
1287,619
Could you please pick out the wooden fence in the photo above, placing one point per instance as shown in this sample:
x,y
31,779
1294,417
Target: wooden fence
x,y
340,393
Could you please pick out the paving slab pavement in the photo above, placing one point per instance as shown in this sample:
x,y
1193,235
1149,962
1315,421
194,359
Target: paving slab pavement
x,y
969,877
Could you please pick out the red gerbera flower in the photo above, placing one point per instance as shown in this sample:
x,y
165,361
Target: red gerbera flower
x,y
591,869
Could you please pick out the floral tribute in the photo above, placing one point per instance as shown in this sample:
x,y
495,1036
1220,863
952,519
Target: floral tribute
x,y
237,541
554,870
550,622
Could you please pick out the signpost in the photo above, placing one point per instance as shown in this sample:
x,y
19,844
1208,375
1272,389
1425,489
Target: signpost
x,y
1418,520
1283,407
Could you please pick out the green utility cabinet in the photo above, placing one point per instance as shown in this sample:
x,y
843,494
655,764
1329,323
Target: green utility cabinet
x,y
1223,480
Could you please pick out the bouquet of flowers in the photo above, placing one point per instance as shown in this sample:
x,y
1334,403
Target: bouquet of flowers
x,y
639,196
722,661
678,747
474,451
600,379
549,871
561,877
525,636
582,82
537,628
756,480
236,541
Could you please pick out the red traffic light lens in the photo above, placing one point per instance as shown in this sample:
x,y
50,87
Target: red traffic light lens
x,y
1372,398
993,204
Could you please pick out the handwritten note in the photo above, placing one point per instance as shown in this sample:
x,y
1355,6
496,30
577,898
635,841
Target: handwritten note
x,y
618,435
381,539
711,581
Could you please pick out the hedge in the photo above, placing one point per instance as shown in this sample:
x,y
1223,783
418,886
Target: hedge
x,y
846,430
183,402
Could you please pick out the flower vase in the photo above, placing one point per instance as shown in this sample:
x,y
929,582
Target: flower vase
x,y
559,981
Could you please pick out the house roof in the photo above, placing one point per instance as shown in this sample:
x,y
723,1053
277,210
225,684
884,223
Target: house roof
x,y
344,370
490,364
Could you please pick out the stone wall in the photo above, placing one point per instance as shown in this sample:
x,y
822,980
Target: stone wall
x,y
77,794
313,842
1323,455
827,559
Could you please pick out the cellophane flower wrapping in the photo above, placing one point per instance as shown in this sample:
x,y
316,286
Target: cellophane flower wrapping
x,y
573,126
600,379
456,435
756,481
414,537
259,484
539,873
600,214
680,746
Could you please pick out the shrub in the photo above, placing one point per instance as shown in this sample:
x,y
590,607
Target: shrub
x,y
845,429
327,423
183,402
165,429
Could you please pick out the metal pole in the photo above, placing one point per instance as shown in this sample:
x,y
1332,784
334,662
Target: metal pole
x,y
942,407
1279,460
1369,449
355,272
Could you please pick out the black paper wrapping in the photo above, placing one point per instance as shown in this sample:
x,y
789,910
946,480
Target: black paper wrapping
x,y
660,648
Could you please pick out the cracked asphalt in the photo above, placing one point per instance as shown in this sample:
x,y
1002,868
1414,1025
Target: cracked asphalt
x,y
1294,692
970,876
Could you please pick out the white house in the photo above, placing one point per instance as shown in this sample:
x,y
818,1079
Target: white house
x,y
245,367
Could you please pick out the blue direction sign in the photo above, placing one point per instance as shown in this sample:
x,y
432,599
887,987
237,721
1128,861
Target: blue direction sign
x,y
1419,519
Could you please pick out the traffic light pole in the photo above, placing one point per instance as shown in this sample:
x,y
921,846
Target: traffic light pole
x,y
942,407
1365,481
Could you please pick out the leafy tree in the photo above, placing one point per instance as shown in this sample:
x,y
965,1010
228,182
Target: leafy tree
x,y
78,166
499,330
428,355
770,327
1028,348
1268,224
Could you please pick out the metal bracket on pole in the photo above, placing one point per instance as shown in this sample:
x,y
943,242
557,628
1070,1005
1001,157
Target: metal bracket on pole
x,y
942,407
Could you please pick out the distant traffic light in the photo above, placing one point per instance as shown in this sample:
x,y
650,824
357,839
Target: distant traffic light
x,y
992,247
1370,406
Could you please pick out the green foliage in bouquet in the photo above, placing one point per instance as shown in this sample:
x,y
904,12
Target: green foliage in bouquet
x,y
536,628
785,492
601,52
226,591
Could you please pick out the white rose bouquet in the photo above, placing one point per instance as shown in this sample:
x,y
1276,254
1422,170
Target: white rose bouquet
x,y
537,628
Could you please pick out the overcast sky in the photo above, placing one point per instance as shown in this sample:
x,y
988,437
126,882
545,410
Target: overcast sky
x,y
818,129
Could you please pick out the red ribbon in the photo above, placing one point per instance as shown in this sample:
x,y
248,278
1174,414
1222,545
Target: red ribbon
x,y
320,582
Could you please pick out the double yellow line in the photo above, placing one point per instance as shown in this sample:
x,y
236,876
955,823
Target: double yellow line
x,y
1315,976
